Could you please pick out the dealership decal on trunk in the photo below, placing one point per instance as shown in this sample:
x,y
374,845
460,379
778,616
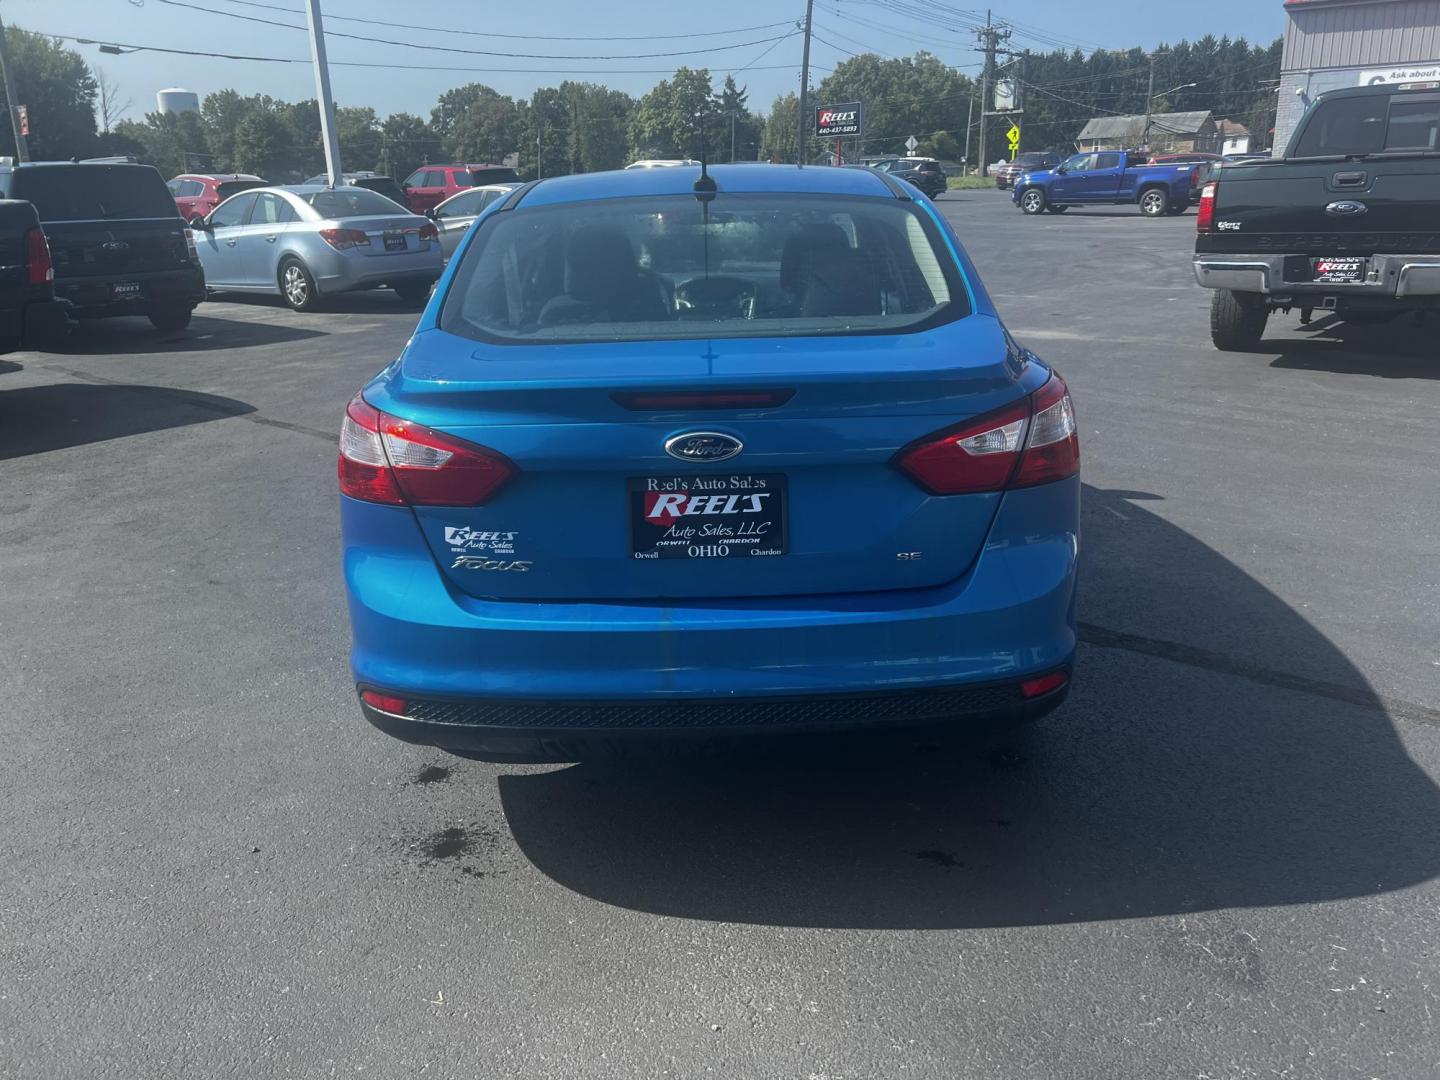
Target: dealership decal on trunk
x,y
462,538
707,517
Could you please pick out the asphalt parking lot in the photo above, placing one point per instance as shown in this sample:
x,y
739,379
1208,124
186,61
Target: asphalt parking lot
x,y
1216,861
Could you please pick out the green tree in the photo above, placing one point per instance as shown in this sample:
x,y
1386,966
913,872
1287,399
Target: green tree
x,y
738,129
916,95
777,141
172,142
675,118
58,92
407,143
454,104
487,130
264,145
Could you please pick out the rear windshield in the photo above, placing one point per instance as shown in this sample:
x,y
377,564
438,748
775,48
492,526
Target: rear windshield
x,y
672,267
490,176
1371,125
231,187
352,202
91,192
1032,159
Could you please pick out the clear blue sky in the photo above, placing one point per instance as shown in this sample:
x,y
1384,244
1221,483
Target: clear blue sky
x,y
856,25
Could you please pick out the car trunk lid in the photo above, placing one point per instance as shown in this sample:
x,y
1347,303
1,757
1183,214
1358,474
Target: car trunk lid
x,y
811,503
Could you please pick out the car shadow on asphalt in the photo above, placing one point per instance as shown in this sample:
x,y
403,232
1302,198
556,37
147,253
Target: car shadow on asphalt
x,y
38,419
361,302
206,333
1217,752
1395,350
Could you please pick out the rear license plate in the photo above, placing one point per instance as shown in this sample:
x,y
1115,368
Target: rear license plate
x,y
707,517
125,290
1345,271
394,241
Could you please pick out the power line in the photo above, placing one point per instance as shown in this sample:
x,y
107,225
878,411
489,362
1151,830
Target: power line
x,y
521,37
131,46
470,52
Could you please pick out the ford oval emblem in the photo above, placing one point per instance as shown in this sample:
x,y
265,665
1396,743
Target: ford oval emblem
x,y
1347,208
703,446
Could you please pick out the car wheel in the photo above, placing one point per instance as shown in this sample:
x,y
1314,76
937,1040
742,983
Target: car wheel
x,y
1056,209
413,292
171,316
1154,202
1179,209
297,286
1237,320
1032,201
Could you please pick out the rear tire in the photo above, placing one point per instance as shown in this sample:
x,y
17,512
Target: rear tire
x,y
297,285
1179,209
1154,202
171,316
413,293
1032,201
1237,320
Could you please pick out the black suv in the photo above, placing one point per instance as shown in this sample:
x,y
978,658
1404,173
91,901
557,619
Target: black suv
x,y
925,173
118,244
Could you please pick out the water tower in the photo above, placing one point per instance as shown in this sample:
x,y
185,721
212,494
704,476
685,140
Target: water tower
x,y
177,100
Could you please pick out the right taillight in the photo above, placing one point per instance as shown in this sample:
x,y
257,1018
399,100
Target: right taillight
x,y
345,239
1205,216
38,267
385,459
1031,442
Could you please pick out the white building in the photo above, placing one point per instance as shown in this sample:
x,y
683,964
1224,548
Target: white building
x,y
1330,44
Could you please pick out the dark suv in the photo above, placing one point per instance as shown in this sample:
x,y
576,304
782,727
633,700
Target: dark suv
x,y
925,173
116,239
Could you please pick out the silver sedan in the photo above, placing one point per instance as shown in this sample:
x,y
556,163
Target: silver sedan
x,y
457,213
308,241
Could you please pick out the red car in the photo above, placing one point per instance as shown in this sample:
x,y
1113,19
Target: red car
x,y
196,194
430,185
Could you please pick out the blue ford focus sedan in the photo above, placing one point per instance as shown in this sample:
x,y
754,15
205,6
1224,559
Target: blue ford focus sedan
x,y
676,454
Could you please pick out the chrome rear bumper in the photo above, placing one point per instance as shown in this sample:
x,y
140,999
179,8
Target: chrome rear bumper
x,y
1399,276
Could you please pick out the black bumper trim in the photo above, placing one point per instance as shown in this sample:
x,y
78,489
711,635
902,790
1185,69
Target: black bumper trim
x,y
513,730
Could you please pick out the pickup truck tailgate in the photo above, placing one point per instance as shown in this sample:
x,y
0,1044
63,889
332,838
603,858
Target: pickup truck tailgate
x,y
1355,207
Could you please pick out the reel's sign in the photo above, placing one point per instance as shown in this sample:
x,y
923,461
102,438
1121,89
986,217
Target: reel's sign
x,y
839,121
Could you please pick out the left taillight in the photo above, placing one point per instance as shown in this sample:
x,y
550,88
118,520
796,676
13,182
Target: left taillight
x,y
385,459
1205,216
190,251
39,269
1031,442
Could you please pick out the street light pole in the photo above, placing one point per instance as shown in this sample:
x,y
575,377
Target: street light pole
x,y
22,149
322,90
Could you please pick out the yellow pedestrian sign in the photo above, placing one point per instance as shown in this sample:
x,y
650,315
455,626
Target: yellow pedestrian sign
x,y
1013,135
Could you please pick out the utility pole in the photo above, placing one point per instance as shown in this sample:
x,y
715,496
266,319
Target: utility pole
x,y
322,89
22,150
1149,101
990,37
969,123
804,125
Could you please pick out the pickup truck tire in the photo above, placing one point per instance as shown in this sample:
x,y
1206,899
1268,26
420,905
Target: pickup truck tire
x,y
1154,202
297,285
1056,209
1032,201
1179,209
171,316
1237,320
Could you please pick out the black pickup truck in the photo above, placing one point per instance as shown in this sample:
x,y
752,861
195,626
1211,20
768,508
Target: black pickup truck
x,y
1348,221
118,242
30,316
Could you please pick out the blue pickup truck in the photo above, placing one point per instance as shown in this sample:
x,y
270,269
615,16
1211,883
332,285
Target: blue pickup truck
x,y
1110,177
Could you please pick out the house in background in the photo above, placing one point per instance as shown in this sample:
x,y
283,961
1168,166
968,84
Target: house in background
x,y
1234,137
1330,44
1170,133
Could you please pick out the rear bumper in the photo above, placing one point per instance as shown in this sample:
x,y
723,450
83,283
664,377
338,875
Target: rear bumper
x,y
38,324
1009,618
337,271
1390,277
540,731
92,298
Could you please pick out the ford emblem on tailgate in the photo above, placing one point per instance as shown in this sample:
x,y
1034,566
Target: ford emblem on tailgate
x,y
703,446
1346,208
